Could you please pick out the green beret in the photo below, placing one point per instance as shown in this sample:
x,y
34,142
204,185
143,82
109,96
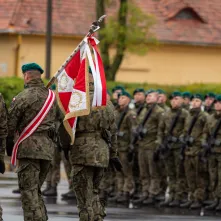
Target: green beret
x,y
199,96
186,94
53,87
118,88
125,93
108,92
137,90
175,94
218,98
31,66
150,91
160,91
210,94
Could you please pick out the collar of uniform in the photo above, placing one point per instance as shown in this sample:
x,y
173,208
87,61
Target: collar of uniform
x,y
176,109
217,115
137,105
195,110
35,83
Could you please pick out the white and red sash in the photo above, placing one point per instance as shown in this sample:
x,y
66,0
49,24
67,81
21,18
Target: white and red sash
x,y
33,125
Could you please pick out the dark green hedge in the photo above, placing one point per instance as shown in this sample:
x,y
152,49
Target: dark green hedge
x,y
9,87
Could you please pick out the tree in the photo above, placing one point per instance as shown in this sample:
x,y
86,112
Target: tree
x,y
129,30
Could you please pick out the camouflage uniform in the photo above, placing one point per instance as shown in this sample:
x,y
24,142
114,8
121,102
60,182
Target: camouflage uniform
x,y
125,181
36,152
164,107
3,133
194,169
174,167
149,169
89,156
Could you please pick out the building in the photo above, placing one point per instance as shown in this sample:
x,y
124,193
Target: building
x,y
189,32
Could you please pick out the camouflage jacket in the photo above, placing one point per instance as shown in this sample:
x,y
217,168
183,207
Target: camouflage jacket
x,y
89,146
3,127
208,130
24,107
164,107
194,140
139,108
151,127
209,110
178,130
186,107
127,125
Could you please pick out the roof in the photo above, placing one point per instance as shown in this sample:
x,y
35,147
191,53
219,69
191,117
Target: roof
x,y
74,18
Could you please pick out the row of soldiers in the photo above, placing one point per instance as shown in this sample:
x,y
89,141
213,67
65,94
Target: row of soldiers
x,y
176,148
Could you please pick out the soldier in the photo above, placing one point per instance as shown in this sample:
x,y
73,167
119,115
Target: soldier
x,y
36,151
171,128
139,99
186,99
149,118
195,170
162,99
3,135
115,94
89,156
209,102
212,146
126,120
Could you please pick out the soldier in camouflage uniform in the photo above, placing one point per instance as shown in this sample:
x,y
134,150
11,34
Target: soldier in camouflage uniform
x,y
126,120
195,170
115,94
35,152
214,158
174,166
186,100
162,99
209,103
149,169
3,135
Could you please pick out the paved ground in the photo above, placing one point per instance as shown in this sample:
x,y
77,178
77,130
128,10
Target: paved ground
x,y
64,211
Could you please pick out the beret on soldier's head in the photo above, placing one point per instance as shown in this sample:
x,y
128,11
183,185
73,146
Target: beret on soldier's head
x,y
210,94
218,98
186,94
125,93
137,90
160,91
175,94
31,66
119,87
199,96
108,92
53,87
150,91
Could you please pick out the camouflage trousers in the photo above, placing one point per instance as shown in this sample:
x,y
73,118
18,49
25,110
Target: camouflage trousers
x,y
149,172
1,214
31,175
125,180
86,181
54,175
176,173
215,174
196,177
108,181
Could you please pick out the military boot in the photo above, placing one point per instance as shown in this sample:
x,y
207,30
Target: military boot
x,y
213,205
69,195
175,203
166,202
142,197
218,208
186,204
115,198
196,205
124,198
52,192
47,188
150,201
16,191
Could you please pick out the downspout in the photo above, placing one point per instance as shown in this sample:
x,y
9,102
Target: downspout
x,y
17,54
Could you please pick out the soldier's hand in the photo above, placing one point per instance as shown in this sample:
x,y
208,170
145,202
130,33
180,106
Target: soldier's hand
x,y
9,145
115,163
2,166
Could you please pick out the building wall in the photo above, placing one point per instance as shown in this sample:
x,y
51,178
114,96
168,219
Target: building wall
x,y
168,64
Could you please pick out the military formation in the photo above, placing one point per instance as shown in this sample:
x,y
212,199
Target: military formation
x,y
146,148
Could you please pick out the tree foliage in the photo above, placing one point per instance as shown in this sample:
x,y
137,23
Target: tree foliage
x,y
127,30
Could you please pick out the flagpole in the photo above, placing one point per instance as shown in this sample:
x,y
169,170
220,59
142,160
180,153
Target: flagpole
x,y
94,27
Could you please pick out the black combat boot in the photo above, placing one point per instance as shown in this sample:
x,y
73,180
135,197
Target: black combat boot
x,y
160,197
175,203
52,192
125,198
213,205
166,202
186,204
150,201
69,195
196,205
16,191
115,198
142,197
47,188
218,208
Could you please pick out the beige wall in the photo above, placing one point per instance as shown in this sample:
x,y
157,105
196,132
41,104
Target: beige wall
x,y
169,64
